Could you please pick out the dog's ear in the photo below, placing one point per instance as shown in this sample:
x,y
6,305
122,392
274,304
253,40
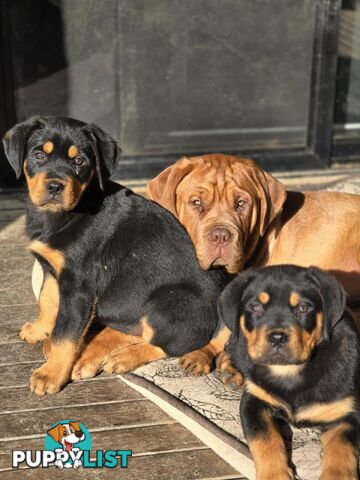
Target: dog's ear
x,y
162,189
333,297
106,150
15,141
272,194
230,300
76,426
56,432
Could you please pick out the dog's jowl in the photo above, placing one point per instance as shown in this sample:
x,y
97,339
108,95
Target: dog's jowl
x,y
111,259
298,350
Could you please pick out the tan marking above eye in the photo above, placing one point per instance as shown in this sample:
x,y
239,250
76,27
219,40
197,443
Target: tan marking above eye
x,y
73,151
264,298
48,147
294,299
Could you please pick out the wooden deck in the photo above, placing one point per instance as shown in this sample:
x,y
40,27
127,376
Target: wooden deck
x,y
117,416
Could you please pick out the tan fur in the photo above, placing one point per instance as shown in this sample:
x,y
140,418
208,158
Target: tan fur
x,y
228,374
315,413
92,358
309,228
73,151
257,343
266,397
340,459
324,233
54,257
199,362
219,181
72,192
56,372
48,147
130,357
294,299
285,370
326,412
147,330
269,453
48,310
67,200
264,298
302,342
36,186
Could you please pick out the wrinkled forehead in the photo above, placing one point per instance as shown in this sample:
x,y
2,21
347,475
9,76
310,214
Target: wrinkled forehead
x,y
220,179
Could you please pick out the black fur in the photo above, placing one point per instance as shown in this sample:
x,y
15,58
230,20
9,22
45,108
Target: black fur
x,y
126,253
331,373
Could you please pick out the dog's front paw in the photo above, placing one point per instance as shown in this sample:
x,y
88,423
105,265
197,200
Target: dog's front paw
x,y
33,333
46,379
131,357
228,374
88,366
197,362
119,361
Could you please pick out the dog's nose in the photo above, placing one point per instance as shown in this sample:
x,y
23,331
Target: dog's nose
x,y
278,339
54,188
220,236
79,433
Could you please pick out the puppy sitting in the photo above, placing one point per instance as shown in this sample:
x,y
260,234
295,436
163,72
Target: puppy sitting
x,y
114,262
299,353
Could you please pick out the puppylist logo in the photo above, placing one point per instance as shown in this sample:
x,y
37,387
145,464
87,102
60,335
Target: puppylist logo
x,y
68,445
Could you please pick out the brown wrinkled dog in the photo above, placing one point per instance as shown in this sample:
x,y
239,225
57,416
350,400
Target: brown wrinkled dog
x,y
239,216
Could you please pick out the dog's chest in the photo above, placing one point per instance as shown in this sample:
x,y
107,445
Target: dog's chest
x,y
298,412
55,258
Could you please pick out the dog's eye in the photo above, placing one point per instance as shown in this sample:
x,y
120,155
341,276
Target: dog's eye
x,y
196,202
39,155
78,161
257,308
302,308
240,204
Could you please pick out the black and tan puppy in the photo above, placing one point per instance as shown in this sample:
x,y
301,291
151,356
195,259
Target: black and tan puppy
x,y
111,257
299,353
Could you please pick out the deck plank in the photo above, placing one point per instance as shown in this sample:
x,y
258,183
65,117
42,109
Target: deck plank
x,y
11,320
107,389
19,351
142,440
181,465
19,296
122,413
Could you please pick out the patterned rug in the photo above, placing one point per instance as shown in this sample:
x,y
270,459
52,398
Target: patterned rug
x,y
211,410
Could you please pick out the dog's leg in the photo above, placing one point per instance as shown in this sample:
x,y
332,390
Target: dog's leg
x,y
199,362
341,453
265,441
76,311
48,309
131,357
92,357
228,374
